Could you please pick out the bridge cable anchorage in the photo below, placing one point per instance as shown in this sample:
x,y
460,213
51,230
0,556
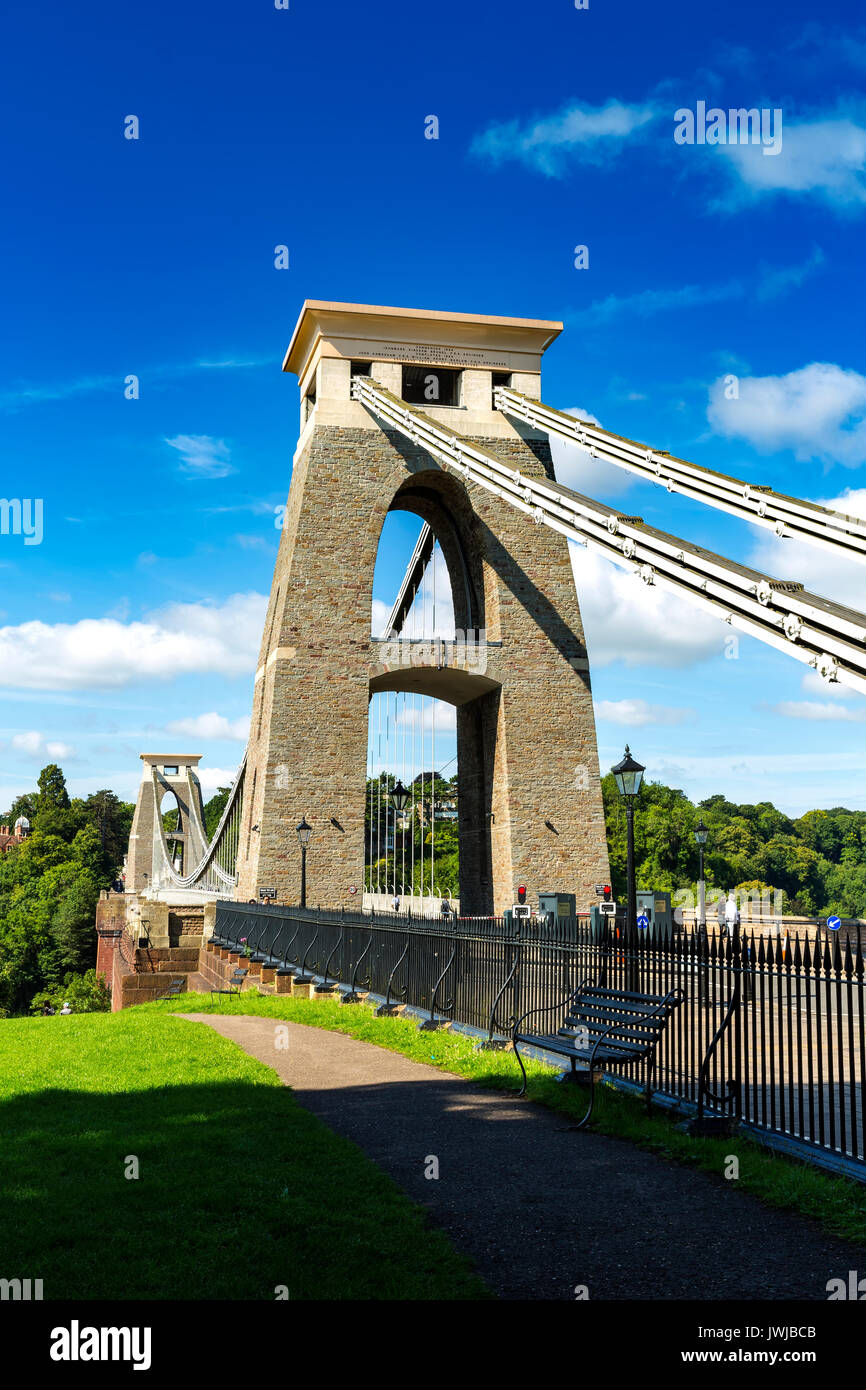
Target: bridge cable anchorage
x,y
804,625
215,875
787,517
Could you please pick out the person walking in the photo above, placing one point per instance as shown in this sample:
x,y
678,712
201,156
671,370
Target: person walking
x,y
732,913
720,912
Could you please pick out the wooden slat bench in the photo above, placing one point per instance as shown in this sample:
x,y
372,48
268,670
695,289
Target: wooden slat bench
x,y
603,1028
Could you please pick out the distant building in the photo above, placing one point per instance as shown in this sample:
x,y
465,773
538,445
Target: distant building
x,y
10,839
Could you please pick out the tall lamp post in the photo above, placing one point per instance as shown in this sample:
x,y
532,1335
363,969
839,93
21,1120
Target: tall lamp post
x,y
628,776
304,833
399,800
701,833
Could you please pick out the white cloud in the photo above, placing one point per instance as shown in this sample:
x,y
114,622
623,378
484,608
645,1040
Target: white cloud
x,y
247,542
34,743
636,712
211,725
105,652
638,624
381,613
815,710
202,456
818,411
793,781
576,134
575,468
429,714
825,158
24,395
777,281
770,283
648,302
212,778
813,684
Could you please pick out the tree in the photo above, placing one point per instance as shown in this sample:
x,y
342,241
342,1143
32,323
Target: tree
x,y
52,792
86,993
72,926
113,819
213,810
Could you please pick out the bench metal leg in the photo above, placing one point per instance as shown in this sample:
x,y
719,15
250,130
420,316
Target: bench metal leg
x,y
522,1091
585,1121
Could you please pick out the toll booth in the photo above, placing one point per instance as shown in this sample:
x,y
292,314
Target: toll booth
x,y
602,918
657,907
557,905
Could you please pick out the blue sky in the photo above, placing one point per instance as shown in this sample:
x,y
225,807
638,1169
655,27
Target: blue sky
x,y
135,624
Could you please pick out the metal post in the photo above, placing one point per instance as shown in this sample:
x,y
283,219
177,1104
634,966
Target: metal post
x,y
631,944
632,890
702,891
303,876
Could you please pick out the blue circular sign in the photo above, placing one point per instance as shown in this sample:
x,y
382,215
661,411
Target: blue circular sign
x,y
643,920
834,923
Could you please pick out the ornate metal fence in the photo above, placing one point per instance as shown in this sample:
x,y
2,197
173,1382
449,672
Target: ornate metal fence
x,y
772,1029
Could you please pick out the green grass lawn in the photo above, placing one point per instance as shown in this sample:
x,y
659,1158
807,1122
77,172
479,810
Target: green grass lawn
x,y
240,1189
839,1204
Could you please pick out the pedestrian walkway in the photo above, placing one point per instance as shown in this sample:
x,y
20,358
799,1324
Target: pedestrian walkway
x,y
540,1210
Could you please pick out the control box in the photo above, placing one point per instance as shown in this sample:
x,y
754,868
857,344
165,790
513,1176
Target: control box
x,y
557,905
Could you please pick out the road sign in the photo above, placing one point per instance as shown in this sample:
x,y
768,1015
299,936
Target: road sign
x,y
834,923
521,910
267,892
643,920
607,909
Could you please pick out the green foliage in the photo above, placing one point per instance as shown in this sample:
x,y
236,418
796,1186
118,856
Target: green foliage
x,y
86,993
818,861
50,884
213,810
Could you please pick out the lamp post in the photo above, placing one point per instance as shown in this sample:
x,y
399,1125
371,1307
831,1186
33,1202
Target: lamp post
x,y
399,800
304,833
701,833
628,776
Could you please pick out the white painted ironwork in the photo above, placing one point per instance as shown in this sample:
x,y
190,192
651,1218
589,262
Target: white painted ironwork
x,y
824,635
786,517
215,875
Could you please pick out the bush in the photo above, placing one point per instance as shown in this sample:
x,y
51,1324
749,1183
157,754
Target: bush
x,y
86,993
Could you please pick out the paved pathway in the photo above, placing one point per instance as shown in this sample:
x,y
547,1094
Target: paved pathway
x,y
540,1210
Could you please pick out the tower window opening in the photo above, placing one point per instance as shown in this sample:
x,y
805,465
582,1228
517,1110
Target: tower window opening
x,y
309,403
426,386
500,379
362,369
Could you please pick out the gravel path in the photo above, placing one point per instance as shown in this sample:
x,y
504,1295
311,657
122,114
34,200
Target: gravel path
x,y
537,1209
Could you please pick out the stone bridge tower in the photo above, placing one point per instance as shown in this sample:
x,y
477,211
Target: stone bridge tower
x,y
162,773
530,805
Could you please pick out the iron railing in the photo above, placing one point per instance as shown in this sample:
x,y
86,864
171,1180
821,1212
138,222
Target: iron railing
x,y
791,1059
